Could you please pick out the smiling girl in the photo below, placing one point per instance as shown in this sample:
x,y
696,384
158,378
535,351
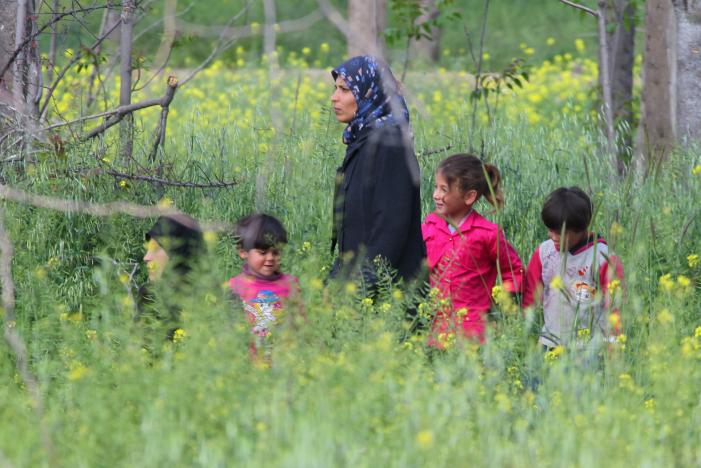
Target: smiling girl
x,y
466,252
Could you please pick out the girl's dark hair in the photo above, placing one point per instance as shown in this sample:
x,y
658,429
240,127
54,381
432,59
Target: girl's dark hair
x,y
259,231
470,173
569,207
180,236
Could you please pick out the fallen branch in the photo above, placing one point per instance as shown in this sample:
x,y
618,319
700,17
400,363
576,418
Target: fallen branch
x,y
158,180
98,209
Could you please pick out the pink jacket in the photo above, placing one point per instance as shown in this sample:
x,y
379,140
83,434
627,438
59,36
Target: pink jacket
x,y
463,266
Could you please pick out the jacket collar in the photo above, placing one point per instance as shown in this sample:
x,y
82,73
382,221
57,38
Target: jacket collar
x,y
474,219
586,243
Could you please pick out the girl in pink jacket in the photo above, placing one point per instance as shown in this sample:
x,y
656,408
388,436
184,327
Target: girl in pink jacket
x,y
465,251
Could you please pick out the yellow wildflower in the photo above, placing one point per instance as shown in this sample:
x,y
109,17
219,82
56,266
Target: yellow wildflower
x,y
550,41
557,283
696,170
579,45
616,229
351,288
683,281
666,282
554,353
424,439
178,335
693,260
665,316
367,302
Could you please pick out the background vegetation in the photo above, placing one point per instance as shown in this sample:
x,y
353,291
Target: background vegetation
x,y
348,386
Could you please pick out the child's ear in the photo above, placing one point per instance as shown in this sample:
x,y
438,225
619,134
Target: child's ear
x,y
243,254
470,197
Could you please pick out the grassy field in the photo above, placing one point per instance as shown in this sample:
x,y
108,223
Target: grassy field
x,y
344,388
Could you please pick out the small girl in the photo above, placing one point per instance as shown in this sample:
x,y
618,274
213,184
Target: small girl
x,y
466,251
261,286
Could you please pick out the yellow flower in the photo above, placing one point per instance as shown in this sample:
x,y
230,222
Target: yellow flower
x,y
613,286
367,302
397,295
683,281
461,312
123,278
614,320
621,338
165,202
583,333
351,288
666,282
77,372
550,41
697,332
650,404
557,283
485,56
554,353
696,170
693,260
178,335
324,47
424,439
665,316
579,45
316,283
210,237
616,229
122,184
306,51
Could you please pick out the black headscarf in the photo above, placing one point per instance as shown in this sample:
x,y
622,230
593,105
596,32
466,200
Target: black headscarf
x,y
180,236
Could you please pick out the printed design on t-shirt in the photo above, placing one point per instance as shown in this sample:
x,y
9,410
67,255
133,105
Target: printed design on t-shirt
x,y
584,292
263,310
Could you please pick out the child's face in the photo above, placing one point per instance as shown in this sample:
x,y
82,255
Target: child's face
x,y
262,262
156,259
450,202
570,239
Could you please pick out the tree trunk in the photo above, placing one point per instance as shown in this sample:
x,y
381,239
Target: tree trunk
x,y
126,127
688,71
671,103
20,86
367,20
428,49
621,42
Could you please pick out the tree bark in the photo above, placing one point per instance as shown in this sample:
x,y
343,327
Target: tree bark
x,y
688,85
657,132
621,44
126,126
367,20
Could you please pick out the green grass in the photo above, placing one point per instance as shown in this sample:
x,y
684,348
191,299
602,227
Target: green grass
x,y
343,389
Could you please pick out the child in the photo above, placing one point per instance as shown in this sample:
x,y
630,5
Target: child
x,y
572,272
262,287
466,251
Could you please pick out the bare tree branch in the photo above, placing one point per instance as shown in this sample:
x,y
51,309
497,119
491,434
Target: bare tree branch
x,y
240,32
160,180
97,209
580,7
32,37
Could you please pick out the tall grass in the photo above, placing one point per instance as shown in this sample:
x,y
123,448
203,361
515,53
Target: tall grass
x,y
343,388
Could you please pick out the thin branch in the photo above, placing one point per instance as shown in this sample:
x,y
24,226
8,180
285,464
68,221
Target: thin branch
x,y
219,48
161,181
62,73
14,340
580,7
58,17
97,209
240,32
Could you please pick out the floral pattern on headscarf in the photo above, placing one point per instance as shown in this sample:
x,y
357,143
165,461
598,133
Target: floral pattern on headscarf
x,y
376,92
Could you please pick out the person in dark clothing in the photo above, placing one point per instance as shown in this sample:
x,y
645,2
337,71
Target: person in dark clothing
x,y
172,247
377,207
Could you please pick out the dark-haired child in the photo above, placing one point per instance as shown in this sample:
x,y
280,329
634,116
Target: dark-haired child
x,y
573,273
465,251
262,287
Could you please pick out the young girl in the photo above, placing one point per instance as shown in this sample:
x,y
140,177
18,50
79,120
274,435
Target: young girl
x,y
261,286
466,251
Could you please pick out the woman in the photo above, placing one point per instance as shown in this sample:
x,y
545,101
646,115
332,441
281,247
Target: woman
x,y
377,208
172,247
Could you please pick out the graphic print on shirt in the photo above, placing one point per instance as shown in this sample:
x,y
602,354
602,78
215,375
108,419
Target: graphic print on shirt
x,y
263,311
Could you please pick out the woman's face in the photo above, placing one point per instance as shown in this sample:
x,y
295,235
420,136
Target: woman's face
x,y
156,260
344,105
